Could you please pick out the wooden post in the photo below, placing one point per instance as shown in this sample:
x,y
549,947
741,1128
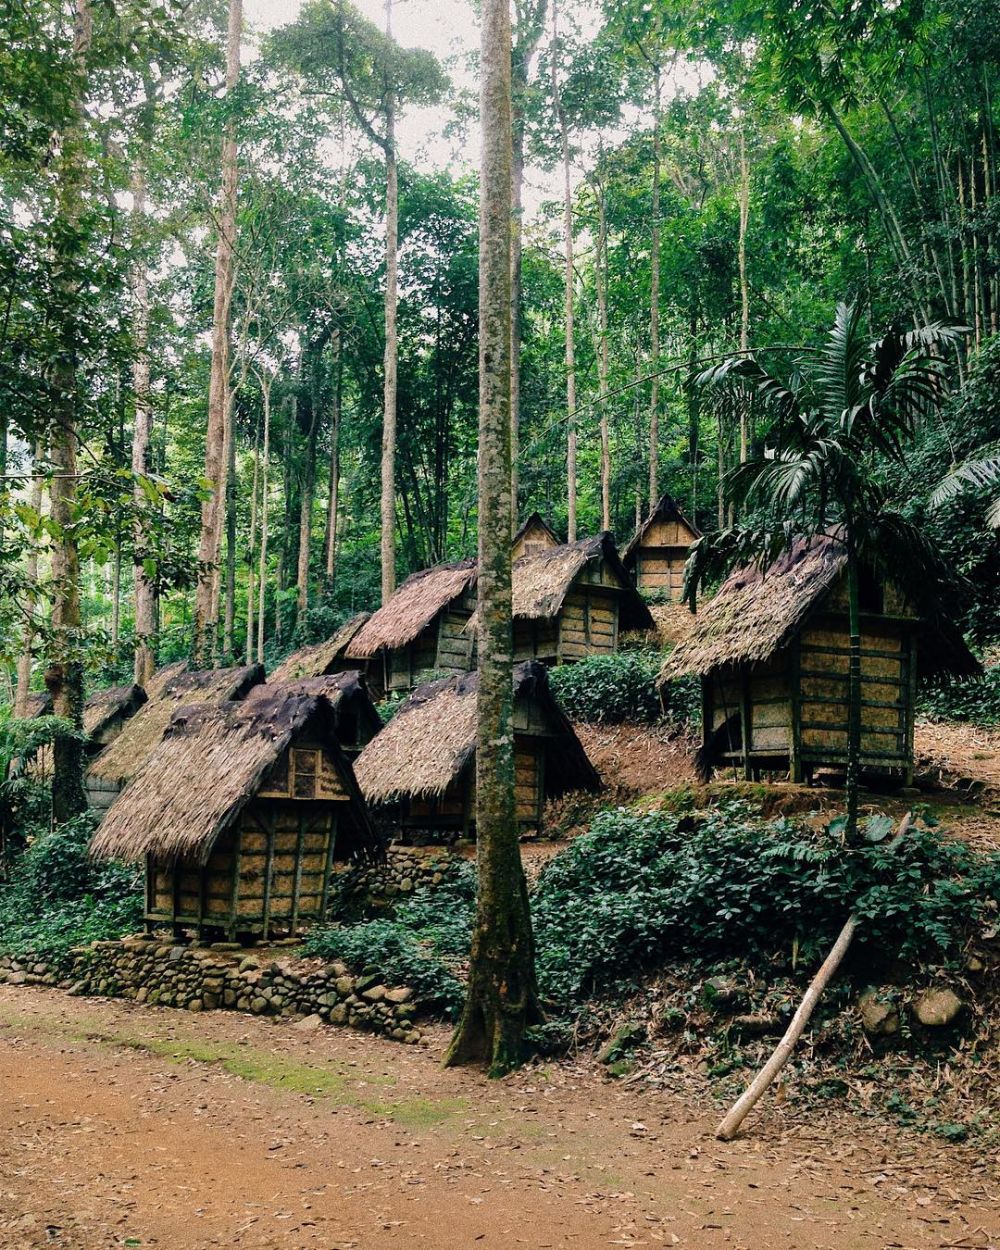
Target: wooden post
x,y
269,829
297,880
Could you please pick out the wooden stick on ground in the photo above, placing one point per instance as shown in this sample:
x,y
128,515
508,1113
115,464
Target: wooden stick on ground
x,y
739,1111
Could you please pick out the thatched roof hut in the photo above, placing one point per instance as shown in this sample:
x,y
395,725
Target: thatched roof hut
x,y
322,657
535,535
772,651
355,717
656,554
105,713
39,704
423,762
574,600
420,629
240,812
130,750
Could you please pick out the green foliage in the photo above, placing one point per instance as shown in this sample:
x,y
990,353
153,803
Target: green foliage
x,y
609,688
414,946
639,888
57,897
975,699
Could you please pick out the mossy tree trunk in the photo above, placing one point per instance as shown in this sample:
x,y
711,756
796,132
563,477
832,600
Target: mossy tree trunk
x,y
64,675
502,998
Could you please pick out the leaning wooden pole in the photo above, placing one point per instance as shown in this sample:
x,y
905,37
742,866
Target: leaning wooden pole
x,y
740,1109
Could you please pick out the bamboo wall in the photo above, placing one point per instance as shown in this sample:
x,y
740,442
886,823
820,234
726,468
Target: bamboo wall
x,y
661,556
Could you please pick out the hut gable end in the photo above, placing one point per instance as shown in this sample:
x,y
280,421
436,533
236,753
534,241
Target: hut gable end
x,y
415,605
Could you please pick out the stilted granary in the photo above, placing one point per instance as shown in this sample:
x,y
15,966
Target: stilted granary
x,y
420,630
658,551
421,768
322,658
240,814
355,717
123,758
105,714
772,652
574,600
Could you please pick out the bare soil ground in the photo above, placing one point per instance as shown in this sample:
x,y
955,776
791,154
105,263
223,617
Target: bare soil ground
x,y
640,759
123,1125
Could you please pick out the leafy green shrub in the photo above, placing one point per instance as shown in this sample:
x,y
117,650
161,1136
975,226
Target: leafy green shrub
x,y
609,688
412,948
57,897
640,887
975,699
681,698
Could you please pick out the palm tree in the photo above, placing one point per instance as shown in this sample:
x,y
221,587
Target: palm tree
x,y
982,472
843,418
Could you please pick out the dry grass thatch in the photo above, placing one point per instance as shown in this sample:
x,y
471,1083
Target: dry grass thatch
x,y
317,660
130,750
343,692
412,608
666,510
541,527
39,704
757,612
209,764
162,678
542,581
432,738
102,708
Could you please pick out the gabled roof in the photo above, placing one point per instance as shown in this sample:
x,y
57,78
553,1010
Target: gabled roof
x,y
209,764
39,704
667,509
433,737
543,580
126,755
340,690
412,608
756,613
102,708
535,521
316,660
162,677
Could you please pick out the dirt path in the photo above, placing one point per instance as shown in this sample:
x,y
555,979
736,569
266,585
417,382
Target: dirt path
x,y
136,1126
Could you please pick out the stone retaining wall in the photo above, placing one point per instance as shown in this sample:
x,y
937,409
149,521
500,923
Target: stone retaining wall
x,y
147,970
403,870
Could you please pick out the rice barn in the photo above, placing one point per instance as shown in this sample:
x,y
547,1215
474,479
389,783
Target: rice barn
x,y
657,552
241,814
772,651
535,535
420,773
115,766
421,629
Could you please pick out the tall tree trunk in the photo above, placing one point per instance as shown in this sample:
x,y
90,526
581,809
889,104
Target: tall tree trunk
x,y
265,386
252,549
206,595
568,301
391,358
654,305
333,497
744,284
144,585
229,616
501,999
601,278
31,567
308,491
64,674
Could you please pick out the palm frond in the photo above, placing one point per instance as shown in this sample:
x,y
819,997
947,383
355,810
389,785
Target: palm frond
x,y
841,364
982,473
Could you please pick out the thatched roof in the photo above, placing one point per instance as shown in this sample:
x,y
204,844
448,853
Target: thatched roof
x,y
412,608
209,764
129,751
321,657
757,612
432,738
39,704
542,581
102,708
667,509
164,676
347,691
